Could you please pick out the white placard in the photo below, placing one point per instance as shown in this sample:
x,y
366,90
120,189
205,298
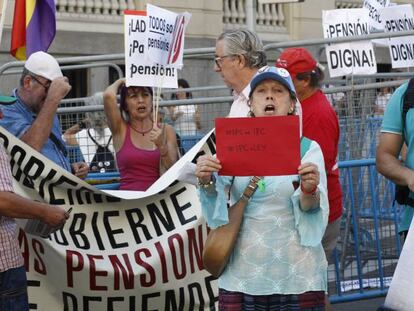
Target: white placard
x,y
374,8
140,70
165,36
400,18
351,57
400,295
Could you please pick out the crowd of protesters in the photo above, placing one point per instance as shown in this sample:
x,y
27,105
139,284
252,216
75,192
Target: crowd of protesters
x,y
307,205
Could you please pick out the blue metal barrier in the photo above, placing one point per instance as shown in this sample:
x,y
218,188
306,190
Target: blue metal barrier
x,y
369,245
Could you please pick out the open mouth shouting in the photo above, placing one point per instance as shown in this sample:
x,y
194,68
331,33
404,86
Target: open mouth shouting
x,y
270,109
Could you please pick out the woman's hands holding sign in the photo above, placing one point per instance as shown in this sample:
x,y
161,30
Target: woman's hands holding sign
x,y
206,166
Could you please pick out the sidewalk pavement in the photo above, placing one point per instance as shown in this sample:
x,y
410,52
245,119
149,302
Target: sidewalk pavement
x,y
360,305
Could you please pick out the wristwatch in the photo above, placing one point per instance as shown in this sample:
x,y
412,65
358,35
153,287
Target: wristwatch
x,y
207,185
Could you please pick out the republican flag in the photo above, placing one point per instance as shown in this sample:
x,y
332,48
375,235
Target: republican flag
x,y
34,27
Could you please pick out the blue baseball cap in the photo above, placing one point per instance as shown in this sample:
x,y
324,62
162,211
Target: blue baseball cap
x,y
7,100
280,75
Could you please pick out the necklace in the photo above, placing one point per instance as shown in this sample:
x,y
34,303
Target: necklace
x,y
142,132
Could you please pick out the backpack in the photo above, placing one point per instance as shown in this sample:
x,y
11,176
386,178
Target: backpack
x,y
402,192
103,161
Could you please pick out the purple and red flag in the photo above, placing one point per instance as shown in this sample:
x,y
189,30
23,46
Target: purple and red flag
x,y
34,27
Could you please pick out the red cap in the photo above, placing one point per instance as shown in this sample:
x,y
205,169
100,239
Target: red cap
x,y
296,60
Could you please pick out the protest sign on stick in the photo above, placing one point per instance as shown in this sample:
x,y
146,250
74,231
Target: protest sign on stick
x,y
165,36
400,18
139,69
352,57
374,12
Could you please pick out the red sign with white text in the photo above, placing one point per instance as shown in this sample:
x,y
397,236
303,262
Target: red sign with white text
x,y
264,146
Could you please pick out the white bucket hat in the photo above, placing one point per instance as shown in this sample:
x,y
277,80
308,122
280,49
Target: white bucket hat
x,y
43,65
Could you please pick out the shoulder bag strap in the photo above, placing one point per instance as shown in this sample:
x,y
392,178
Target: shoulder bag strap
x,y
58,144
220,241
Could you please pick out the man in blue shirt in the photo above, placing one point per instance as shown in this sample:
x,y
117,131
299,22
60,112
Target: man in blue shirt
x,y
33,117
393,134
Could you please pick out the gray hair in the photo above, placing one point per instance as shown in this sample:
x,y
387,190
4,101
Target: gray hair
x,y
247,43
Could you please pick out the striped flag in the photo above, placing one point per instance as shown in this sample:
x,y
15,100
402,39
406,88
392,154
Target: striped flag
x,y
34,27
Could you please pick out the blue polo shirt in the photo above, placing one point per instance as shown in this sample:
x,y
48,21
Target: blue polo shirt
x,y
17,120
392,123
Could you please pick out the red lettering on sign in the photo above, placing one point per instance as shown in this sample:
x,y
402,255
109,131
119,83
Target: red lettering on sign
x,y
70,267
195,248
39,265
161,253
179,239
25,252
127,273
93,273
146,266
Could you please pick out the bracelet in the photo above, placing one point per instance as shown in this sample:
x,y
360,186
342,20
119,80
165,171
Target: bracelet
x,y
211,183
312,192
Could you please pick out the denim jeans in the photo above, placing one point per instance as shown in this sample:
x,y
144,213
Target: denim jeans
x,y
13,290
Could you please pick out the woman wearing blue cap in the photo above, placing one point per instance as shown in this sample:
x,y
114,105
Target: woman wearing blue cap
x,y
277,261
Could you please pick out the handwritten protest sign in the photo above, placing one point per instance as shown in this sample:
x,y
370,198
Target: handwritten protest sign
x,y
258,146
400,18
374,12
351,57
139,68
165,36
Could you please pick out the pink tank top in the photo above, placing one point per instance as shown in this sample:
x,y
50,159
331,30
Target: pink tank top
x,y
139,168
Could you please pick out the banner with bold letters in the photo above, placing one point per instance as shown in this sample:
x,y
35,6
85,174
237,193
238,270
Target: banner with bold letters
x,y
119,250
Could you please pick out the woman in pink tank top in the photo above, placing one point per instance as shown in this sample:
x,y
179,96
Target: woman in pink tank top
x,y
142,147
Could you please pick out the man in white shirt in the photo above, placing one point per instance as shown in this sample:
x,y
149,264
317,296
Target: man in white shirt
x,y
239,54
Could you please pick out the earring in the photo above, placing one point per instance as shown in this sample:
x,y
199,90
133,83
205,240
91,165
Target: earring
x,y
251,113
291,110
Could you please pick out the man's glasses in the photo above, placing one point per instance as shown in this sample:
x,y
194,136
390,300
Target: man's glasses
x,y
46,86
219,60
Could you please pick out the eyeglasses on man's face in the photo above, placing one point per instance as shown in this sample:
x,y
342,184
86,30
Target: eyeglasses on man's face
x,y
45,85
219,60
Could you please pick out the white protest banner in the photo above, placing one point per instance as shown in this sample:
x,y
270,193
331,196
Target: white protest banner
x,y
140,70
165,36
400,18
400,296
374,8
351,57
113,253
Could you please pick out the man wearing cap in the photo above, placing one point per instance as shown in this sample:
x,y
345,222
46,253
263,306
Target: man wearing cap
x,y
320,123
33,117
13,281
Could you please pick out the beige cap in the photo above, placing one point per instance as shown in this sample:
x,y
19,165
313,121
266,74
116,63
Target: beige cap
x,y
43,65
